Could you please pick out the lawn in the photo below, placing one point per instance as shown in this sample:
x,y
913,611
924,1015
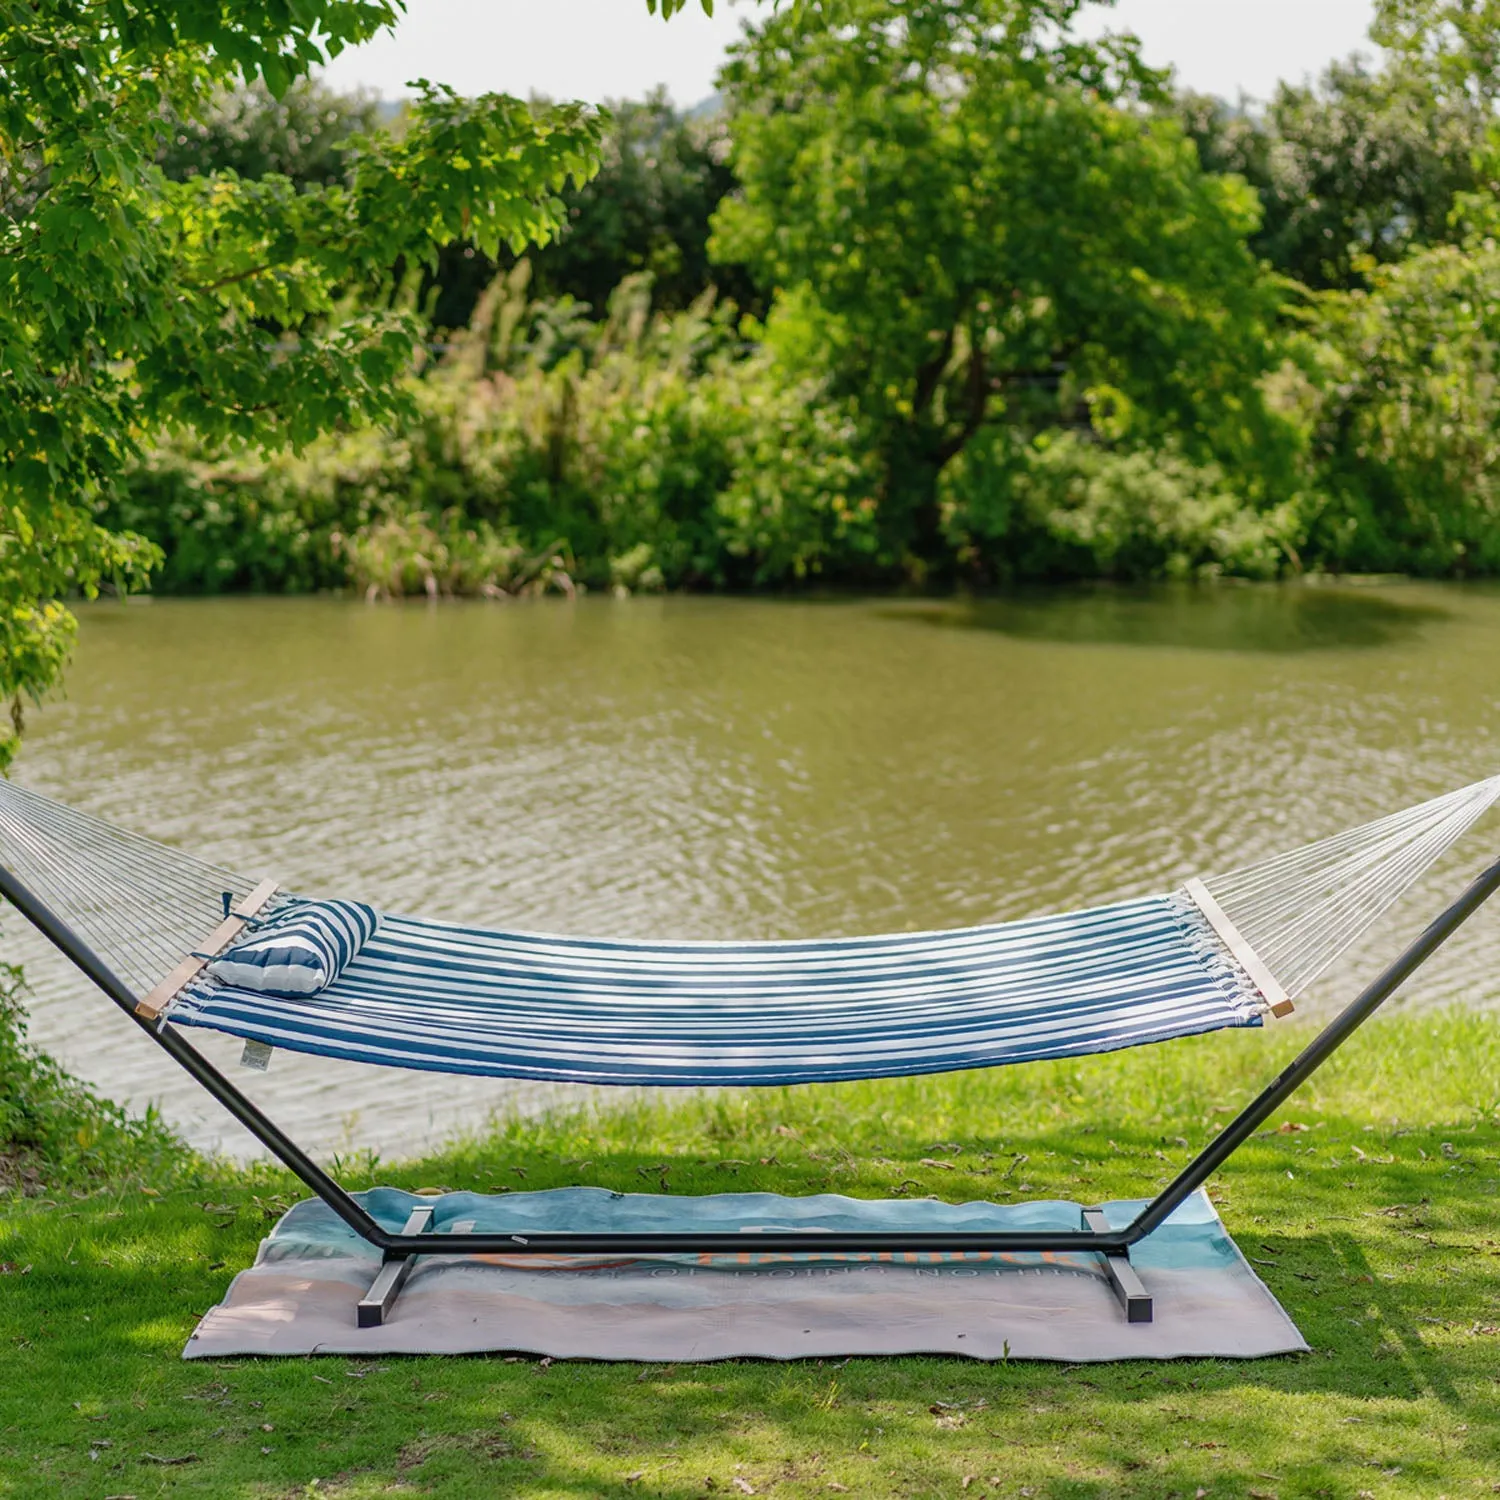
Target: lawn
x,y
1370,1210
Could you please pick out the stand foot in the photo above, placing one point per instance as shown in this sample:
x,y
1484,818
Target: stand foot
x,y
1123,1281
375,1305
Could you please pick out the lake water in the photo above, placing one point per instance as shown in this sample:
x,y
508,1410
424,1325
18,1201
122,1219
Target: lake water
x,y
707,768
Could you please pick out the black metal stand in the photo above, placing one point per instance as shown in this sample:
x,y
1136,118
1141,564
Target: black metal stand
x,y
1119,1272
1092,1236
375,1306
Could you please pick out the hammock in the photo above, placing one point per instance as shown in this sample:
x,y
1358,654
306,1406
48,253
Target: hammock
x,y
134,915
1220,952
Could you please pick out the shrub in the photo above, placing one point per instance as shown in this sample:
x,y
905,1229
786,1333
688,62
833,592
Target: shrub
x,y
640,451
549,450
1405,407
1064,506
404,555
52,1126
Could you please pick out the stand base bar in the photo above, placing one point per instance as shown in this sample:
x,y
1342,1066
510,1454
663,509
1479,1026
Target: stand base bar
x,y
1123,1281
375,1306
1097,1238
716,1242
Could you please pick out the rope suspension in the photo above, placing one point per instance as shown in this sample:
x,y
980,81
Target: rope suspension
x,y
1299,911
140,905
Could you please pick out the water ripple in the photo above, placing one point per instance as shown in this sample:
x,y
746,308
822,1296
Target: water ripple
x,y
707,768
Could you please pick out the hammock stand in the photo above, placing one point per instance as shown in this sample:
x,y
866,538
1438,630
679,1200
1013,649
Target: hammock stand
x,y
399,1250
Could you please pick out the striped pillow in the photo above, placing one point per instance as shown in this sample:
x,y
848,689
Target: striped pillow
x,y
300,950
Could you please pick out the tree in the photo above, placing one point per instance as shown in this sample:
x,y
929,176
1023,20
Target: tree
x,y
130,301
970,215
662,174
249,131
1452,47
1407,417
1368,165
1360,170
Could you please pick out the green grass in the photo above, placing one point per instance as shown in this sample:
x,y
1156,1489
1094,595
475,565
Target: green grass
x,y
1375,1225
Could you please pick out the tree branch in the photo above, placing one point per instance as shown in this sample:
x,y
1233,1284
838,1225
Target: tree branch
x,y
23,188
976,398
213,286
930,373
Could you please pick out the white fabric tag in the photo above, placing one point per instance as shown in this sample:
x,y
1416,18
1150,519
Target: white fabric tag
x,y
256,1055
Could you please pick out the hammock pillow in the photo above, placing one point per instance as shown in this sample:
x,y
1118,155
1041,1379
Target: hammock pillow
x,y
300,950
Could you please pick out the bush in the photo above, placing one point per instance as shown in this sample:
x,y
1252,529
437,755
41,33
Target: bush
x,y
550,450
643,450
408,555
802,501
1065,506
52,1127
1404,403
252,521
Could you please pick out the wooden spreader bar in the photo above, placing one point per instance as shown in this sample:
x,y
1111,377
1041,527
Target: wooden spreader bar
x,y
150,1006
1246,956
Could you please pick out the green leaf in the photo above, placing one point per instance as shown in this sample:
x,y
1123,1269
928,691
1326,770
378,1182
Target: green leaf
x,y
277,75
245,306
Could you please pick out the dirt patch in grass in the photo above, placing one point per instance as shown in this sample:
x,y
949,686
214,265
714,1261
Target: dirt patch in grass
x,y
19,1172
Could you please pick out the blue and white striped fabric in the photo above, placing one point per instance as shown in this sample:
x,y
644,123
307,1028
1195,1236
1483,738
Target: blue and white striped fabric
x,y
461,1000
300,949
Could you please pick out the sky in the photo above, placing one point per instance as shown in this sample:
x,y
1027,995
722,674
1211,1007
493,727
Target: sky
x,y
614,49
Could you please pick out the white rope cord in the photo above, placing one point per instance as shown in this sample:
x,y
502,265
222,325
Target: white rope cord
x,y
1322,916
102,913
1301,910
122,915
1268,884
1265,888
1298,920
1306,947
89,910
139,904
